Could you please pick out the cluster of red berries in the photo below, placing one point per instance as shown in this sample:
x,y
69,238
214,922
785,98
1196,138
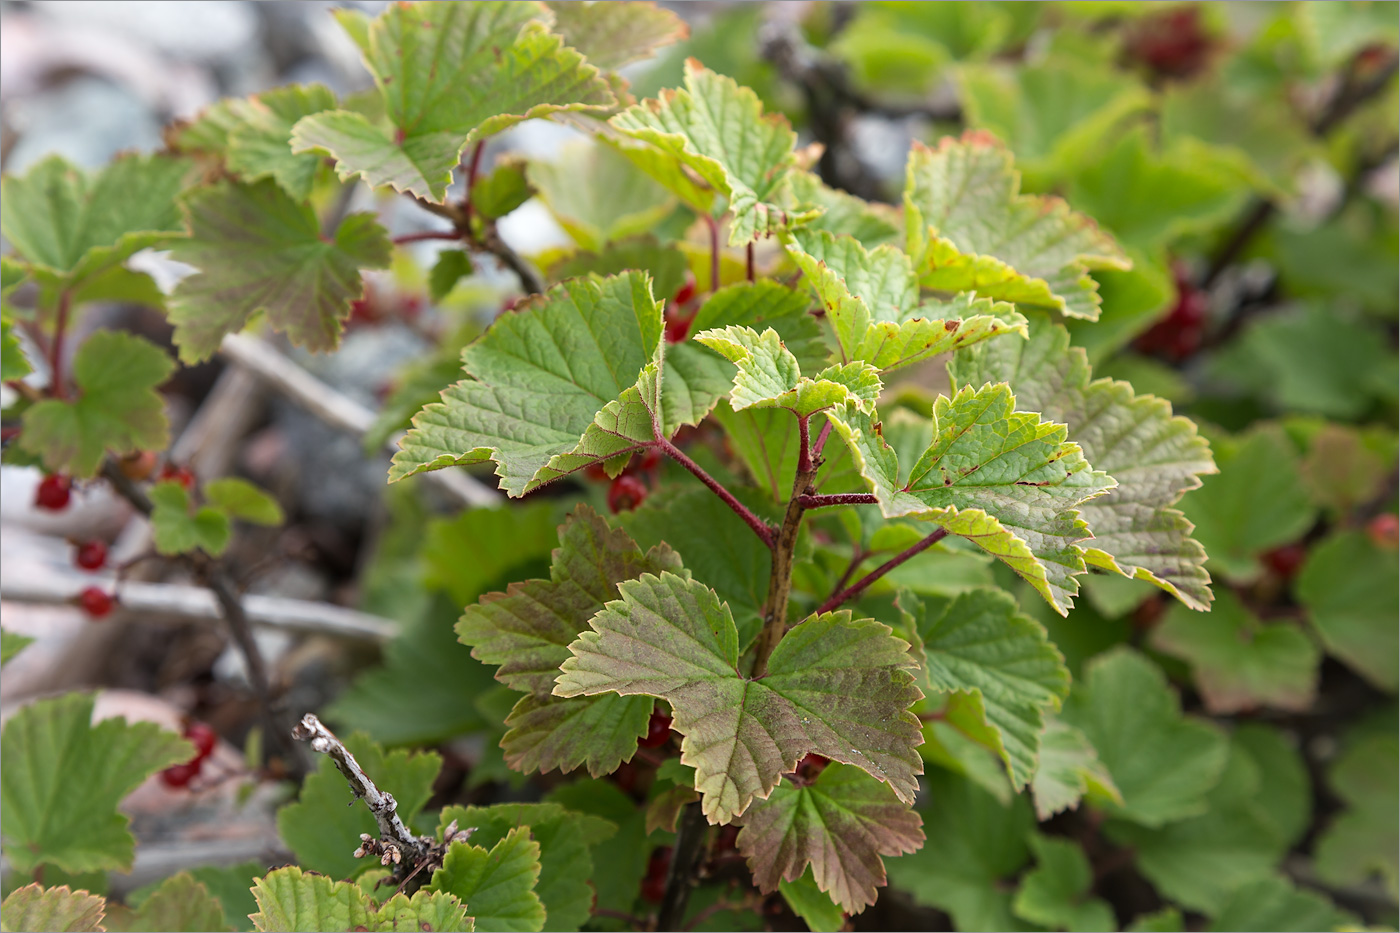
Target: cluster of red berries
x,y
203,738
1179,334
92,556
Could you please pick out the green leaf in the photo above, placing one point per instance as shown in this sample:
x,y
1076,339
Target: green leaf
x,y
451,267
232,887
1054,894
61,807
14,365
717,130
835,686
117,407
527,632
11,645
1165,920
259,143
424,911
1349,588
979,842
665,264
539,377
60,909
871,223
502,191
872,299
1151,199
839,825
242,500
1239,663
714,544
450,74
769,376
1162,762
808,902
69,225
621,860
614,34
323,827
1069,770
1153,456
1003,478
1274,904
179,530
1256,503
978,645
599,196
1345,468
180,903
1054,113
259,250
564,837
1201,861
767,304
1361,842
289,899
498,887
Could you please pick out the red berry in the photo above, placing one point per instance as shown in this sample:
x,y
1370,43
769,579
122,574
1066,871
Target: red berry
x,y
596,471
139,466
179,474
649,461
91,555
626,493
678,327
658,731
1172,42
686,292
54,492
658,866
1287,560
1384,530
96,601
203,738
180,775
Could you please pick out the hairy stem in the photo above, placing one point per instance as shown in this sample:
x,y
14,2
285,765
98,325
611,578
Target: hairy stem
x,y
820,445
685,866
855,589
759,526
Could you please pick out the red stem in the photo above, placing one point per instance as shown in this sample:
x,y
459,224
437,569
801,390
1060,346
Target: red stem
x,y
804,445
855,589
714,251
472,168
820,445
56,349
759,526
840,498
748,260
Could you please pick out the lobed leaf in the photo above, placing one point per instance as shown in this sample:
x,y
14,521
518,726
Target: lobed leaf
x,y
615,34
259,142
835,686
497,887
1004,479
259,250
177,529
872,299
769,376
60,807
538,378
1348,587
60,910
1069,769
839,825
69,225
179,903
1055,894
117,408
527,631
1360,843
970,229
1153,457
979,645
289,899
1275,904
450,74
717,130
1162,762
